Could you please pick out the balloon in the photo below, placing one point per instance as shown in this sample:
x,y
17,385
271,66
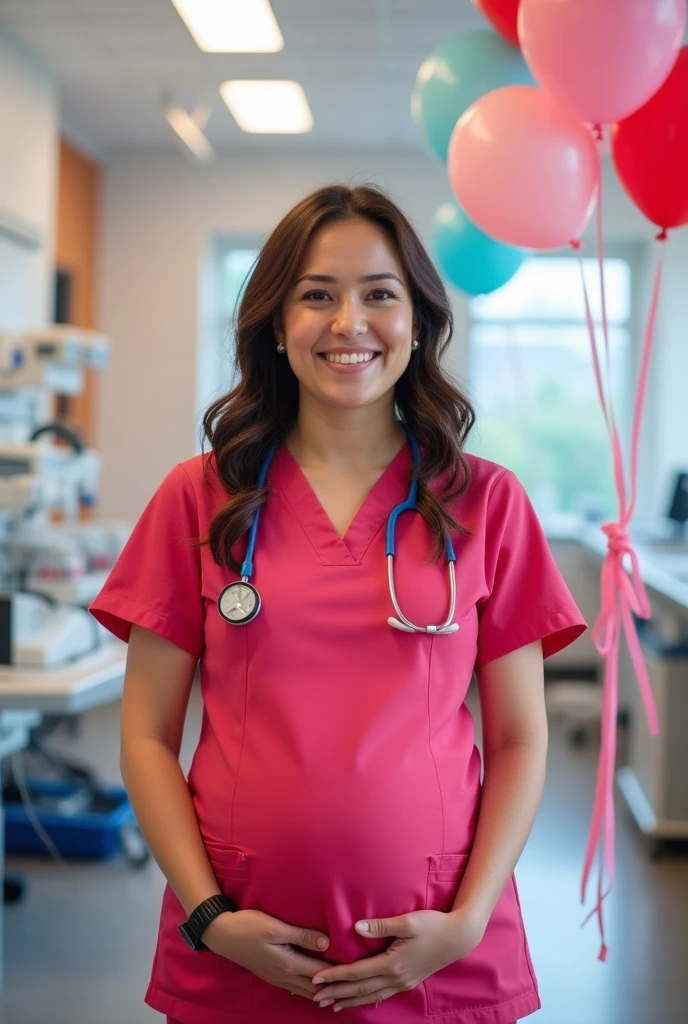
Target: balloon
x,y
523,169
503,15
601,59
457,73
468,258
650,151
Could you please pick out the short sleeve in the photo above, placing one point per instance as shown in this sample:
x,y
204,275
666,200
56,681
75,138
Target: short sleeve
x,y
156,581
528,599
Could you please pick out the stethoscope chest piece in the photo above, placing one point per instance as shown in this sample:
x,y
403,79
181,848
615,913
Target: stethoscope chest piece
x,y
239,603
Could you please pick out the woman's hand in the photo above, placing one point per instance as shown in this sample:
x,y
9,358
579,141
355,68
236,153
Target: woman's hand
x,y
426,941
262,944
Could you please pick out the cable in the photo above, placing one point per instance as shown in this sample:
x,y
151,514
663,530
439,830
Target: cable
x,y
20,780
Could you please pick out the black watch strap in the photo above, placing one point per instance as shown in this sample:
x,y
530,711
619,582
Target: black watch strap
x,y
200,918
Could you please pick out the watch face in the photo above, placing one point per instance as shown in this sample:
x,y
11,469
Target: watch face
x,y
239,603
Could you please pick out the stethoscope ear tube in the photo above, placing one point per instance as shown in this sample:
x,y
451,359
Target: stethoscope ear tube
x,y
405,624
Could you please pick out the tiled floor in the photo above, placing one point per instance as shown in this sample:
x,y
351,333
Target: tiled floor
x,y
78,949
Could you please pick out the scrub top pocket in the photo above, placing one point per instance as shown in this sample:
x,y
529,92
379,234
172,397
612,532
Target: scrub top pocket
x,y
221,985
499,963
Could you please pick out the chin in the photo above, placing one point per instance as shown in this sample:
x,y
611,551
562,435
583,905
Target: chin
x,y
341,400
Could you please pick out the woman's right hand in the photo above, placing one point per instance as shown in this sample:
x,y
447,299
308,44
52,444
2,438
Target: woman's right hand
x,y
263,945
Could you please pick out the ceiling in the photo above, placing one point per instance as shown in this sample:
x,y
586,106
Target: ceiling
x,y
356,59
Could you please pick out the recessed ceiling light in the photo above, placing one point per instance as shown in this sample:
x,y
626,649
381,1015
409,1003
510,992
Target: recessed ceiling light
x,y
232,26
268,107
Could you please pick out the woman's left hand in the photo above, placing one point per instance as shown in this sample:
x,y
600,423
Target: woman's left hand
x,y
426,941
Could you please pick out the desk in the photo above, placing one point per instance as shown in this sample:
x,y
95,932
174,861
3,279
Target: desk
x,y
90,681
654,776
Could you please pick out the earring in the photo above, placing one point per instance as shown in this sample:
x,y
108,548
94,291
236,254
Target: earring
x,y
414,344
281,349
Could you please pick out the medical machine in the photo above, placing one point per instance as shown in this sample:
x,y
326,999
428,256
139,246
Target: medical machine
x,y
52,562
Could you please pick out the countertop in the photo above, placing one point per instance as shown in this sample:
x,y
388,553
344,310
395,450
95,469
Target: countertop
x,y
662,559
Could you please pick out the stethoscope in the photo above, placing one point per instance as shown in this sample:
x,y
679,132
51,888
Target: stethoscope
x,y
239,603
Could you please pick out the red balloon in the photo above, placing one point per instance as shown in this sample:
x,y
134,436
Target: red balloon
x,y
503,15
650,151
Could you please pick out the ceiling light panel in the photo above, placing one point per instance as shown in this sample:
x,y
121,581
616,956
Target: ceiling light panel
x,y
232,26
269,107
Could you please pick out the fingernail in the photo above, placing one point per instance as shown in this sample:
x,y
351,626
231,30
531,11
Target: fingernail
x,y
338,1008
362,926
318,981
321,943
327,1002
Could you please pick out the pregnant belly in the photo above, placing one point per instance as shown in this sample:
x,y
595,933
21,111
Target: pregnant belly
x,y
326,850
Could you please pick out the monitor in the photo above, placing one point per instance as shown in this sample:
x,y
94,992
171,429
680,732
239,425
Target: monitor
x,y
678,508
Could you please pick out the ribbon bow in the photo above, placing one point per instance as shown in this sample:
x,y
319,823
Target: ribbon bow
x,y
622,596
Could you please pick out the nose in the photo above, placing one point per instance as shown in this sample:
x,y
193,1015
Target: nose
x,y
349,320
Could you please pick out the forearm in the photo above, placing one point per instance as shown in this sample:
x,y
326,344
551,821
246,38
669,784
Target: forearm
x,y
512,789
162,803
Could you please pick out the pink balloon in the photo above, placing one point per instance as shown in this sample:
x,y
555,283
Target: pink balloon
x,y
601,59
523,169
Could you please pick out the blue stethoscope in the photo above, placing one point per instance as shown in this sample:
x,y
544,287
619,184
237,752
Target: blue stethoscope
x,y
239,603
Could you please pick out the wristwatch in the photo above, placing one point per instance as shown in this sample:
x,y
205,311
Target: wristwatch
x,y
200,918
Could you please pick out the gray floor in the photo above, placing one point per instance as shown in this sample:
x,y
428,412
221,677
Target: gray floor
x,y
78,950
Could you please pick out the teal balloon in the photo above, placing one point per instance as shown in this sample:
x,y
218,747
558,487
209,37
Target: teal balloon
x,y
458,73
467,257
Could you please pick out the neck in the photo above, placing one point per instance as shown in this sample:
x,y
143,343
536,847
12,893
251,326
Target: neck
x,y
345,438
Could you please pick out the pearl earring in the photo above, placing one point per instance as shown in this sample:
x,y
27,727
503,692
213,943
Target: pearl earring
x,y
281,349
414,344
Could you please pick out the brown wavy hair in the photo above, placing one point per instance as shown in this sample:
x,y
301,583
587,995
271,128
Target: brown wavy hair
x,y
258,414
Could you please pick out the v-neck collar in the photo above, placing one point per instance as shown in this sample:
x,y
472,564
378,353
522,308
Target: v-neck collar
x,y
391,488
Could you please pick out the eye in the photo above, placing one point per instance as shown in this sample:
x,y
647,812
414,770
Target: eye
x,y
380,294
315,295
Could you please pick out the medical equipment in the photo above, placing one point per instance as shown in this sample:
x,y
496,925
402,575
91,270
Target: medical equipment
x,y
50,570
239,603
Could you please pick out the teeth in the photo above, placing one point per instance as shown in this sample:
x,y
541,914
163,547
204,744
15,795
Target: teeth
x,y
350,357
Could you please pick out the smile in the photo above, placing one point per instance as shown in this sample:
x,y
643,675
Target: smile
x,y
349,358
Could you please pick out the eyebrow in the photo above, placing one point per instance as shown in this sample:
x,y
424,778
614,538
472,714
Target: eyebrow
x,y
328,279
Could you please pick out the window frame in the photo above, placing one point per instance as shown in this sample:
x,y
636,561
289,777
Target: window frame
x,y
215,350
636,256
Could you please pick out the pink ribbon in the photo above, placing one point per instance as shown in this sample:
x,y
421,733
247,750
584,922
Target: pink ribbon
x,y
622,595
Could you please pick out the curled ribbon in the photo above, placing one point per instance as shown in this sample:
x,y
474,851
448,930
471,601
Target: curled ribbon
x,y
622,597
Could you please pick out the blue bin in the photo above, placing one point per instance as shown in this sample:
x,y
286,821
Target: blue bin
x,y
91,835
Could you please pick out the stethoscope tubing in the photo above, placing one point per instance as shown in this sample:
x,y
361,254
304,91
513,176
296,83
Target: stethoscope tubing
x,y
410,505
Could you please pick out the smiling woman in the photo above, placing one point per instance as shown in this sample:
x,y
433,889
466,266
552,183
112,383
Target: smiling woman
x,y
323,844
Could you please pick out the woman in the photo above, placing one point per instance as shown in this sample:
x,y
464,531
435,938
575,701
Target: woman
x,y
334,802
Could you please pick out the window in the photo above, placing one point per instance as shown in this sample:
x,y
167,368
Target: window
x,y
226,272
533,382
235,269
236,266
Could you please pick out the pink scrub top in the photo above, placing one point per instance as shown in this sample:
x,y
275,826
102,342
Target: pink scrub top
x,y
336,777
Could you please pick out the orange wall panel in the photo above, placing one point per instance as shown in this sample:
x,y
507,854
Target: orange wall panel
x,y
76,252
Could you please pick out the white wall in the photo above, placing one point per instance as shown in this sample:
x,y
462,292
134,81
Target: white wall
x,y
28,186
160,213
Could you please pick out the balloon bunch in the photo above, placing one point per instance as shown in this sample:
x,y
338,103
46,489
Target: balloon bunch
x,y
524,165
449,82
